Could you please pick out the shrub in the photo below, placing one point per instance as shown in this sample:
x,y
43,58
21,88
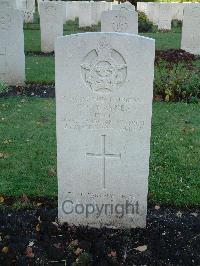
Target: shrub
x,y
177,82
144,25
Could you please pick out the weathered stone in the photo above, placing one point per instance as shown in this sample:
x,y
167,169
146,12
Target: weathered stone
x,y
119,21
12,58
104,89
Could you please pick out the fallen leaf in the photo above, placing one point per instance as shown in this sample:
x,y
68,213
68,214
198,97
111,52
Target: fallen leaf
x,y
78,251
179,214
1,199
31,244
157,207
52,172
7,141
5,250
112,254
37,228
74,243
24,198
141,248
29,252
194,214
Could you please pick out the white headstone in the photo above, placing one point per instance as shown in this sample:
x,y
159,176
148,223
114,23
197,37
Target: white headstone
x,y
119,21
85,14
52,16
8,3
12,58
150,11
191,29
177,11
72,10
165,16
96,12
104,89
126,5
28,7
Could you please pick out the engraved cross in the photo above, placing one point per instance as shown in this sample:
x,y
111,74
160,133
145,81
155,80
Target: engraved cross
x,y
104,156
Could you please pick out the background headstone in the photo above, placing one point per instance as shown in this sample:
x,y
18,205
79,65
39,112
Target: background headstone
x,y
8,3
28,7
191,29
12,58
104,90
126,5
52,16
72,9
85,14
165,16
119,21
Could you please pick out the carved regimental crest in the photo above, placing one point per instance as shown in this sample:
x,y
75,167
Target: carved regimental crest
x,y
104,69
51,10
5,22
119,23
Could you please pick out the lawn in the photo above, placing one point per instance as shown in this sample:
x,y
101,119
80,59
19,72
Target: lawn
x,y
28,139
28,150
164,40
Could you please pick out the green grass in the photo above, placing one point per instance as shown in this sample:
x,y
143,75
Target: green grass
x,y
164,40
40,69
28,150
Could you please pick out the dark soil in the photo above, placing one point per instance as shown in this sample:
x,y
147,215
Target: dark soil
x,y
33,237
31,90
175,56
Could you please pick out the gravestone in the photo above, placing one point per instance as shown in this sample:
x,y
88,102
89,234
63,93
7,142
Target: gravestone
x,y
119,21
191,29
177,11
126,5
150,11
52,16
12,58
104,105
96,12
165,16
28,7
155,18
8,3
85,14
72,10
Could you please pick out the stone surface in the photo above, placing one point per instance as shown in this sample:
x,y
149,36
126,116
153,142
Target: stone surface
x,y
85,14
177,11
12,58
104,89
72,10
191,29
165,16
8,3
126,5
96,12
52,16
119,21
150,11
28,7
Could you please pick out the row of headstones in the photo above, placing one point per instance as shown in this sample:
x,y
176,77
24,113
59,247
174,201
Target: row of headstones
x,y
12,60
88,13
104,90
162,14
